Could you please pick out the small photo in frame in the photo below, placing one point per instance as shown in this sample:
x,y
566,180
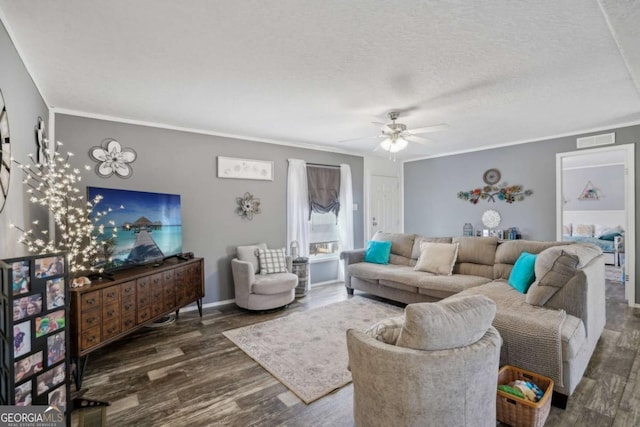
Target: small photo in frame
x,y
478,233
58,398
49,323
485,232
55,348
21,281
55,293
28,366
21,338
27,306
47,380
23,394
50,266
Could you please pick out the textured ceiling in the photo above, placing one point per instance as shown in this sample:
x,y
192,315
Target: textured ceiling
x,y
317,72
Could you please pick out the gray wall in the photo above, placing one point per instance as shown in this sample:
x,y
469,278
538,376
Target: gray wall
x,y
24,105
431,206
608,182
185,163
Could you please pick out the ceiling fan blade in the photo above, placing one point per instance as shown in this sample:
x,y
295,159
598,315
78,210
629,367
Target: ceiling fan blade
x,y
384,127
417,139
427,129
361,138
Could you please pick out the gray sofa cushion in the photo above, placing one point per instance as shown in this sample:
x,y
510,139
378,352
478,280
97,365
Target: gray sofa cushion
x,y
554,268
476,250
508,252
271,284
401,243
415,252
451,323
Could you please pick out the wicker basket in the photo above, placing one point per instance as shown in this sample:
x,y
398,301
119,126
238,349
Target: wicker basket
x,y
519,412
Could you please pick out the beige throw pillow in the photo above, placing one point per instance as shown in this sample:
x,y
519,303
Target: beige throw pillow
x,y
437,258
387,330
554,268
457,321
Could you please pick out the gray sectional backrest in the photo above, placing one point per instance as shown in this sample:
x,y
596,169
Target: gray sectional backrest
x,y
508,252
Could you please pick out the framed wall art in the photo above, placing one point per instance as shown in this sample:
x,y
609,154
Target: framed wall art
x,y
230,167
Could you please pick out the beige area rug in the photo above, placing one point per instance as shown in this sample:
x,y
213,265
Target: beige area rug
x,y
307,351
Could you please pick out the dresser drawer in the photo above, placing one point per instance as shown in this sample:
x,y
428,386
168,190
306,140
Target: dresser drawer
x,y
128,289
110,328
128,321
111,311
157,308
90,338
144,314
128,306
91,319
90,300
143,289
111,295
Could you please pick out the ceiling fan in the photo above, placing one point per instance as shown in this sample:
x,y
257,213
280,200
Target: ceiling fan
x,y
396,136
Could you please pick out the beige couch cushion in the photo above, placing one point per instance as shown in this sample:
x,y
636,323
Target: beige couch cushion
x,y
401,243
271,284
554,268
476,250
437,258
451,323
415,252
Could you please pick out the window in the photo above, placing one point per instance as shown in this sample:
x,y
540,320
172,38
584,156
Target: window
x,y
324,205
323,235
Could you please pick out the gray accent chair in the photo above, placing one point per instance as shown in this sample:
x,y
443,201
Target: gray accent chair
x,y
453,385
255,291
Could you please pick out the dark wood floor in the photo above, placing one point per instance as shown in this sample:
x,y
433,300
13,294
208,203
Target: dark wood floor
x,y
188,373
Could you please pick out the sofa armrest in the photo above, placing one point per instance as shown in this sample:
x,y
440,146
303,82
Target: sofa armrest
x,y
353,256
243,276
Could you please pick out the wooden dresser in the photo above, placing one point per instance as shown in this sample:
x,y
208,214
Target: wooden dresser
x,y
107,310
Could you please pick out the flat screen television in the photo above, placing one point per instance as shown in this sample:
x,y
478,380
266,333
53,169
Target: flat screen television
x,y
149,226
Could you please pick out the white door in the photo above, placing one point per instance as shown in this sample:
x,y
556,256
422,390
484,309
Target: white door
x,y
384,204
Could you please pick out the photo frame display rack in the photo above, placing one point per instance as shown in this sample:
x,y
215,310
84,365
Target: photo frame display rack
x,y
34,332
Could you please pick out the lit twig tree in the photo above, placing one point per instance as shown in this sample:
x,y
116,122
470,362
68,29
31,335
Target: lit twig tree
x,y
53,184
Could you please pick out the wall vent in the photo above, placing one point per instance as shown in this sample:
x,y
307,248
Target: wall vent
x,y
596,140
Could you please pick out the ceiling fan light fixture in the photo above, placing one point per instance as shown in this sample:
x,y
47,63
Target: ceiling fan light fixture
x,y
393,145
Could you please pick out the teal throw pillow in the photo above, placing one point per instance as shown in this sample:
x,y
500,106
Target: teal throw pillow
x,y
610,236
523,274
378,252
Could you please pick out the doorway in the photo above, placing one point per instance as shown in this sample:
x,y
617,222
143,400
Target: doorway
x,y
596,188
384,205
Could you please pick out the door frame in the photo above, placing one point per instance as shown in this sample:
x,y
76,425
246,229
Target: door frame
x,y
629,206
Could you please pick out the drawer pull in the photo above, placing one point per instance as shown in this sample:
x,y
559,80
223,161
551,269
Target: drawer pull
x,y
110,313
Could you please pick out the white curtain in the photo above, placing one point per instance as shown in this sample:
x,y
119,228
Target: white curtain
x,y
345,218
298,206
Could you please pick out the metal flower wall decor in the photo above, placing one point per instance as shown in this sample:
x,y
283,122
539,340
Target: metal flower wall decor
x,y
113,159
247,206
491,193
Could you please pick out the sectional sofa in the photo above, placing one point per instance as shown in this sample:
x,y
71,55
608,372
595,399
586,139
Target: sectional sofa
x,y
551,330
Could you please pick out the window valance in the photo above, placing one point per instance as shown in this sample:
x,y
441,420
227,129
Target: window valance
x,y
324,190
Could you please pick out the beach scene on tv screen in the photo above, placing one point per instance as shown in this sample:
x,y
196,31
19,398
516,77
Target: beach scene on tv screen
x,y
149,226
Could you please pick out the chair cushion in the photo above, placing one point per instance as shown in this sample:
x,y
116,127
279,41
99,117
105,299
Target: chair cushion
x,y
451,323
249,253
272,261
270,284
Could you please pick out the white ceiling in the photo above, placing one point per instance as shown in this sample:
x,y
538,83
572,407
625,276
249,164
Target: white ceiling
x,y
317,72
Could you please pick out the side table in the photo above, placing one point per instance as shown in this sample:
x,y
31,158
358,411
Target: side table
x,y
300,267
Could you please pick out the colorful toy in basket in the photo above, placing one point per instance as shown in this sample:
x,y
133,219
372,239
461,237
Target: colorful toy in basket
x,y
523,389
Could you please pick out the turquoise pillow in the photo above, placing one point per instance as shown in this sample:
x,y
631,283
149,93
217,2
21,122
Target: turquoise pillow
x,y
378,252
610,236
523,274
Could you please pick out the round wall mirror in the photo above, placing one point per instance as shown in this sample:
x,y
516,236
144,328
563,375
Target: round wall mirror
x,y
5,153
